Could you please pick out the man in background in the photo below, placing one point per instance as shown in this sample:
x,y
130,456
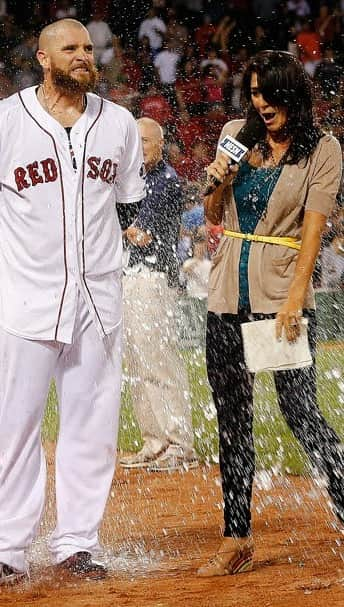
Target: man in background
x,y
159,384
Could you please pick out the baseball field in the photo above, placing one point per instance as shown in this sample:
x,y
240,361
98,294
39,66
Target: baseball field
x,y
159,527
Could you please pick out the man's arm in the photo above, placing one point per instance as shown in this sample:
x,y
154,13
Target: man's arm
x,y
158,215
127,213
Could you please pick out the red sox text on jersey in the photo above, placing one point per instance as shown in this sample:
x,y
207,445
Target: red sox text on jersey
x,y
45,171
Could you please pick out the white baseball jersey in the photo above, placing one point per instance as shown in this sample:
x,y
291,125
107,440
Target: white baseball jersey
x,y
59,230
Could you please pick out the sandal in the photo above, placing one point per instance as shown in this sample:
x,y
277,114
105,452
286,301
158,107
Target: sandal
x,y
234,556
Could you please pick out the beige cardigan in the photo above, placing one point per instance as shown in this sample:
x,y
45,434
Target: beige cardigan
x,y
310,185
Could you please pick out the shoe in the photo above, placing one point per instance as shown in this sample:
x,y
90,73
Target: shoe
x,y
169,462
9,575
82,565
142,459
235,555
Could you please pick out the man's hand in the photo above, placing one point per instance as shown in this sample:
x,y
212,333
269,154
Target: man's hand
x,y
138,237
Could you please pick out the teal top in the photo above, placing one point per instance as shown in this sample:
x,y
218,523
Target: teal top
x,y
252,189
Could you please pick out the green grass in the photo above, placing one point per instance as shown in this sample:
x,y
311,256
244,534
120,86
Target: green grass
x,y
275,445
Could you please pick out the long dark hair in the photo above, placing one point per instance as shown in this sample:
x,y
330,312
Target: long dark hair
x,y
283,82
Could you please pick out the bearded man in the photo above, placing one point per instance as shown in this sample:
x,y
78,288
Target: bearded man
x,y
66,157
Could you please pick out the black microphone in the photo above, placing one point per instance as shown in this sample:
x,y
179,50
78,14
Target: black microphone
x,y
236,149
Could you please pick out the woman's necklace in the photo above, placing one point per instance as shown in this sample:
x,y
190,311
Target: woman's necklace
x,y
274,159
270,154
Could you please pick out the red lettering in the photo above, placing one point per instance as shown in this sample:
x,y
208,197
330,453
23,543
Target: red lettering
x,y
114,171
106,170
19,175
49,169
93,163
34,174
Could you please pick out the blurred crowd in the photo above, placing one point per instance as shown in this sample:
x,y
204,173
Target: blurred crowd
x,y
181,62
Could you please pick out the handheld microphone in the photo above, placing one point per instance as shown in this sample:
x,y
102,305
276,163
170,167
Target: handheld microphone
x,y
236,149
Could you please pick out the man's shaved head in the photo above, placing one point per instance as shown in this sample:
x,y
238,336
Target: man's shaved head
x,y
152,137
151,126
55,30
65,52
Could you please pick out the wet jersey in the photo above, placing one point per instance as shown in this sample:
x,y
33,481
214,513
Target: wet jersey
x,y
59,230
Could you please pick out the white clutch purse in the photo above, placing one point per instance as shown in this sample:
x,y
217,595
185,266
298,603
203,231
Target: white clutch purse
x,y
263,352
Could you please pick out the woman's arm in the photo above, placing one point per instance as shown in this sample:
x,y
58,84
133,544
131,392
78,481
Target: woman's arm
x,y
321,198
214,203
288,318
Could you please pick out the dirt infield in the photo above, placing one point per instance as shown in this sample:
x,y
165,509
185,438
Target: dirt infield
x,y
159,528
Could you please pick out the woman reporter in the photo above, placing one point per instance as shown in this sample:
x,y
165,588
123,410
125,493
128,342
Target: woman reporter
x,y
285,189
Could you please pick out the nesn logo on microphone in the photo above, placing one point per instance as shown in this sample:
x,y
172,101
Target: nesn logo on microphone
x,y
232,148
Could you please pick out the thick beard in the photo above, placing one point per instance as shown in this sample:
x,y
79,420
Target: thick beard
x,y
69,85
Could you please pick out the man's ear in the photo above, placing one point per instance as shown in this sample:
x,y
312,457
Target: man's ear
x,y
43,59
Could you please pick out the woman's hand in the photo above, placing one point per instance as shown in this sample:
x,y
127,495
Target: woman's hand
x,y
220,169
224,173
288,320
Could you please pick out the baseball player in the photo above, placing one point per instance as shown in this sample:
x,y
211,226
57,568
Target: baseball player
x,y
66,157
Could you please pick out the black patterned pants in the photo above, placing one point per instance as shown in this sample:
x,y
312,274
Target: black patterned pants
x,y
232,388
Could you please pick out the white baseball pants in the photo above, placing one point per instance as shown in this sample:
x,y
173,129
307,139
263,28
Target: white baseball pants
x,y
88,378
157,375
